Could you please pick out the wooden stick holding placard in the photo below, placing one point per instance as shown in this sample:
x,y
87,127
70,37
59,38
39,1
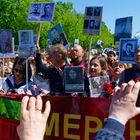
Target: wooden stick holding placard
x,y
38,33
27,73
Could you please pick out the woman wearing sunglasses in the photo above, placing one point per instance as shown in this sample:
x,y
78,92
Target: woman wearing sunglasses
x,y
17,82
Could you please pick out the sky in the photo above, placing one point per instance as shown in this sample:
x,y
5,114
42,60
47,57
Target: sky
x,y
112,9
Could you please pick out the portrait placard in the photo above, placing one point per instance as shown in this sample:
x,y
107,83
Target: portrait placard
x,y
57,35
96,85
25,37
6,43
41,12
74,79
41,83
92,20
123,29
127,50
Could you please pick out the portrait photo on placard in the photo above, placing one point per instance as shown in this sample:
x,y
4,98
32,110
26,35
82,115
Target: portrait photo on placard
x,y
47,12
25,36
91,24
127,50
34,12
89,11
97,11
26,51
123,29
74,79
97,24
6,41
96,85
57,35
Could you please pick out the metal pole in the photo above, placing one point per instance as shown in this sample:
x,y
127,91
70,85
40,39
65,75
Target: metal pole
x,y
27,73
89,50
2,71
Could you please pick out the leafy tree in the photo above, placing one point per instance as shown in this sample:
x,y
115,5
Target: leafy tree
x,y
13,15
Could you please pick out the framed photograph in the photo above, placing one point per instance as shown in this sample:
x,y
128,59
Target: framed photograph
x,y
96,85
74,79
123,29
57,35
89,11
92,20
97,11
47,12
25,37
26,51
34,12
127,50
6,43
41,12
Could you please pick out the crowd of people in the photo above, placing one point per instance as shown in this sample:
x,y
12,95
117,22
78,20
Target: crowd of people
x,y
20,72
20,79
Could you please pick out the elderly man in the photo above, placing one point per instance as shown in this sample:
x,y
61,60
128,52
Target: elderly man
x,y
57,56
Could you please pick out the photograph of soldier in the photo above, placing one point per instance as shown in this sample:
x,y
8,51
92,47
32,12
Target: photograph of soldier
x,y
35,9
56,35
127,50
89,11
47,14
6,41
97,11
97,24
91,24
123,28
25,38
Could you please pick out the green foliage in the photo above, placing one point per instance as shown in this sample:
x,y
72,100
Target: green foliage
x,y
14,15
10,108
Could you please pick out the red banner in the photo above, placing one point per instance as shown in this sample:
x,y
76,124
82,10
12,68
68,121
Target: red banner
x,y
76,118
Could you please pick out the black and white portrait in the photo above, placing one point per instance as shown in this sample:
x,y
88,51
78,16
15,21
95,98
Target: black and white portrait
x,y
97,11
6,41
92,20
96,85
123,28
74,80
97,25
47,12
41,12
25,36
89,11
127,50
57,35
91,24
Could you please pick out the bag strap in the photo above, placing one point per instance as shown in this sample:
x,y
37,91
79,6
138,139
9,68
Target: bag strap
x,y
9,84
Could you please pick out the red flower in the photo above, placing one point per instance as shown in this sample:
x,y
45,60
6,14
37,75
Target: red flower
x,y
135,79
107,89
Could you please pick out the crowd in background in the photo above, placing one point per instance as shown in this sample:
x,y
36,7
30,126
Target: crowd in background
x,y
50,66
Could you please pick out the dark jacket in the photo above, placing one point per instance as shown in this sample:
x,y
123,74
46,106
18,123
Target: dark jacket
x,y
54,75
128,74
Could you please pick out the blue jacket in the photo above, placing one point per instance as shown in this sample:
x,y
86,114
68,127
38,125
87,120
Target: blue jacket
x,y
112,130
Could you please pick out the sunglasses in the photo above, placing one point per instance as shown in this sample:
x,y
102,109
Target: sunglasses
x,y
18,70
